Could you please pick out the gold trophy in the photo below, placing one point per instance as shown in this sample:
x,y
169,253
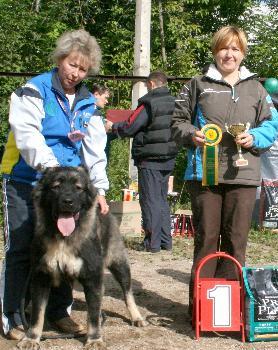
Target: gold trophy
x,y
235,130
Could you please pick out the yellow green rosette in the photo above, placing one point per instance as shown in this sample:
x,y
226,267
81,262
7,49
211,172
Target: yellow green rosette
x,y
213,135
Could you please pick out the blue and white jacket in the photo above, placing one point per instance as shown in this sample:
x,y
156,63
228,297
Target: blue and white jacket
x,y
41,121
209,99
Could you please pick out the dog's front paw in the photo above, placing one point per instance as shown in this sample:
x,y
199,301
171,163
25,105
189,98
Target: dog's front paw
x,y
28,344
140,323
94,344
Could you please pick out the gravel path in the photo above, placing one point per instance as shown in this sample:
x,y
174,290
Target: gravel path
x,y
160,283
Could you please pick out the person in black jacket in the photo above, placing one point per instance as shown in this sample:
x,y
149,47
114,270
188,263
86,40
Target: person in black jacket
x,y
154,152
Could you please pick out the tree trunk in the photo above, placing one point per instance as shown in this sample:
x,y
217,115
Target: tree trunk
x,y
162,37
37,5
141,62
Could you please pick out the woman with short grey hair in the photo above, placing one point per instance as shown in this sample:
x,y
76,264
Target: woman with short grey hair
x,y
51,125
79,41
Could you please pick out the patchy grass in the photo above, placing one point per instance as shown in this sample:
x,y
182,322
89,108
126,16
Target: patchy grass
x,y
261,247
182,246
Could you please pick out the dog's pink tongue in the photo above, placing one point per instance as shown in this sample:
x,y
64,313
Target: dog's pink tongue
x,y
66,225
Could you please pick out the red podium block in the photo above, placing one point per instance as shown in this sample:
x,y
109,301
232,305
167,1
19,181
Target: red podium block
x,y
218,302
220,310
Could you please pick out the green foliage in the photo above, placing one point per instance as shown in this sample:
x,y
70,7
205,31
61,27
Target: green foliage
x,y
263,48
118,168
179,183
27,38
257,239
188,26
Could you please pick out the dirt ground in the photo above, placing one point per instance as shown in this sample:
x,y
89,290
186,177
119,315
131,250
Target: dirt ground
x,y
160,283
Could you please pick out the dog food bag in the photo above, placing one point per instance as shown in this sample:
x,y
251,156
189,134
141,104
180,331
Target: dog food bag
x,y
261,303
269,204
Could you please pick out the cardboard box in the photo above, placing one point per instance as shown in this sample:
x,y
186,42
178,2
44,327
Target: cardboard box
x,y
128,214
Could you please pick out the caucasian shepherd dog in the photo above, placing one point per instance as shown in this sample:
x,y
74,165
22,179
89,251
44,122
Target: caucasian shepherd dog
x,y
73,239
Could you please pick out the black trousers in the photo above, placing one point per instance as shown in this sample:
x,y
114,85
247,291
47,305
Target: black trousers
x,y
153,189
18,233
222,218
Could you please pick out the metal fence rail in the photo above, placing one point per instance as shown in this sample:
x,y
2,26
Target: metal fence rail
x,y
98,77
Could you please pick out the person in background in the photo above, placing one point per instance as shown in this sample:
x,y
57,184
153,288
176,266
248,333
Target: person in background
x,y
52,124
154,152
102,94
225,94
269,171
269,159
269,166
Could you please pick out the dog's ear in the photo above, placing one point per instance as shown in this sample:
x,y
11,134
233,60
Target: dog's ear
x,y
91,192
46,172
92,189
42,176
83,169
49,170
42,171
38,190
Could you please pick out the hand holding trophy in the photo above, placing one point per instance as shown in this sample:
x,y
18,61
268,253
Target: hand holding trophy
x,y
235,130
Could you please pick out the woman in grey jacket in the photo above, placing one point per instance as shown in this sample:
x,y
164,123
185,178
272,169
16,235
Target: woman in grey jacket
x,y
226,94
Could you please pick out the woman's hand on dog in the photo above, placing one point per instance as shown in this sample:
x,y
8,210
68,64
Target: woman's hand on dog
x,y
104,207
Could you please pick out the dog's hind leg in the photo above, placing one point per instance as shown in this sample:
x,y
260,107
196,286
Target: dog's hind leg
x,y
40,287
121,271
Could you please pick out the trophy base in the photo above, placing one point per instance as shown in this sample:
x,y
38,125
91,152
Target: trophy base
x,y
241,162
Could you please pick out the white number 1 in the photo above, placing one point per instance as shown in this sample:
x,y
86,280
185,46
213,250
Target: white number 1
x,y
221,296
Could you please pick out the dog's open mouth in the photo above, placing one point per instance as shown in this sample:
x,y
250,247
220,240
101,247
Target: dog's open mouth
x,y
66,223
